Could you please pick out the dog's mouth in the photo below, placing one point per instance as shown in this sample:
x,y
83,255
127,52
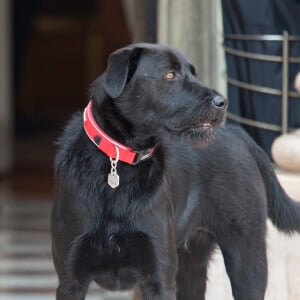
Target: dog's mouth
x,y
206,125
195,133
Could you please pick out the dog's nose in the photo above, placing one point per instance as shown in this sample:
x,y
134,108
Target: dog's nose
x,y
219,101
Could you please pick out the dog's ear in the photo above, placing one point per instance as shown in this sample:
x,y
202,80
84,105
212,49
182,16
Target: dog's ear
x,y
120,68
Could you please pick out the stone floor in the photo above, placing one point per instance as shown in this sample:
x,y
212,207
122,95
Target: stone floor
x,y
26,269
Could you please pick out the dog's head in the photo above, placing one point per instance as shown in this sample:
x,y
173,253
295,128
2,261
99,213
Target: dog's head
x,y
155,87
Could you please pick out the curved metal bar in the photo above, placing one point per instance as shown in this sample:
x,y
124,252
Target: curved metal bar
x,y
259,56
259,89
262,37
253,87
294,94
294,59
250,122
253,55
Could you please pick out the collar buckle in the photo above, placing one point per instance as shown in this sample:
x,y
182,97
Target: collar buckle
x,y
142,155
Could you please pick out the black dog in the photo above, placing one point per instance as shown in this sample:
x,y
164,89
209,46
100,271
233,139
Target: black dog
x,y
167,185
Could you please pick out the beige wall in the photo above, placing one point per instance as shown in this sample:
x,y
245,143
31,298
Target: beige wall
x,y
5,89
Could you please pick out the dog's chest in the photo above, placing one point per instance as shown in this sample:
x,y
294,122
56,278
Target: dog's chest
x,y
118,259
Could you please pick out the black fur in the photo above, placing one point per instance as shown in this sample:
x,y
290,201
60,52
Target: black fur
x,y
204,186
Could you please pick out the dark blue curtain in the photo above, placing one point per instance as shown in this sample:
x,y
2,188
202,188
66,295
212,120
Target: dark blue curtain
x,y
261,17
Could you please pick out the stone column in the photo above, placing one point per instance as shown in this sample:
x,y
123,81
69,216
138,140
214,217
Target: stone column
x,y
195,27
285,148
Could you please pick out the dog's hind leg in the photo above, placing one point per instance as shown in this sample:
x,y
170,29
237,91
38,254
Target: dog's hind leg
x,y
193,259
246,264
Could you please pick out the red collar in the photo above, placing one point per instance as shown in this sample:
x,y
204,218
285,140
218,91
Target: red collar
x,y
108,145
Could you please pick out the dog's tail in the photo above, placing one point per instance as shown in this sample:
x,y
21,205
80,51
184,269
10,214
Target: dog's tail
x,y
283,211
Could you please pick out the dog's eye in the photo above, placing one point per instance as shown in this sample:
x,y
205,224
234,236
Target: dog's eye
x,y
170,75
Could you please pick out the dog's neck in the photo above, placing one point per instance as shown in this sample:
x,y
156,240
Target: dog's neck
x,y
118,128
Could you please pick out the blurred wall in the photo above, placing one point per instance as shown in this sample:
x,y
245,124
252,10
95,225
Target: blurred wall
x,y
141,17
195,27
6,134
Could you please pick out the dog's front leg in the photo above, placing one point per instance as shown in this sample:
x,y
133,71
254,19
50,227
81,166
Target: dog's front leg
x,y
193,258
72,291
138,295
161,284
72,272
70,263
151,291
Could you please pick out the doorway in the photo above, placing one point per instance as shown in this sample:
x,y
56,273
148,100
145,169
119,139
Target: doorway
x,y
60,47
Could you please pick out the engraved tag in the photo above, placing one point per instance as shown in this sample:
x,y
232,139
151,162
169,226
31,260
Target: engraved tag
x,y
113,180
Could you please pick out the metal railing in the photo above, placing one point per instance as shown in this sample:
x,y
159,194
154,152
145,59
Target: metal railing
x,y
284,59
